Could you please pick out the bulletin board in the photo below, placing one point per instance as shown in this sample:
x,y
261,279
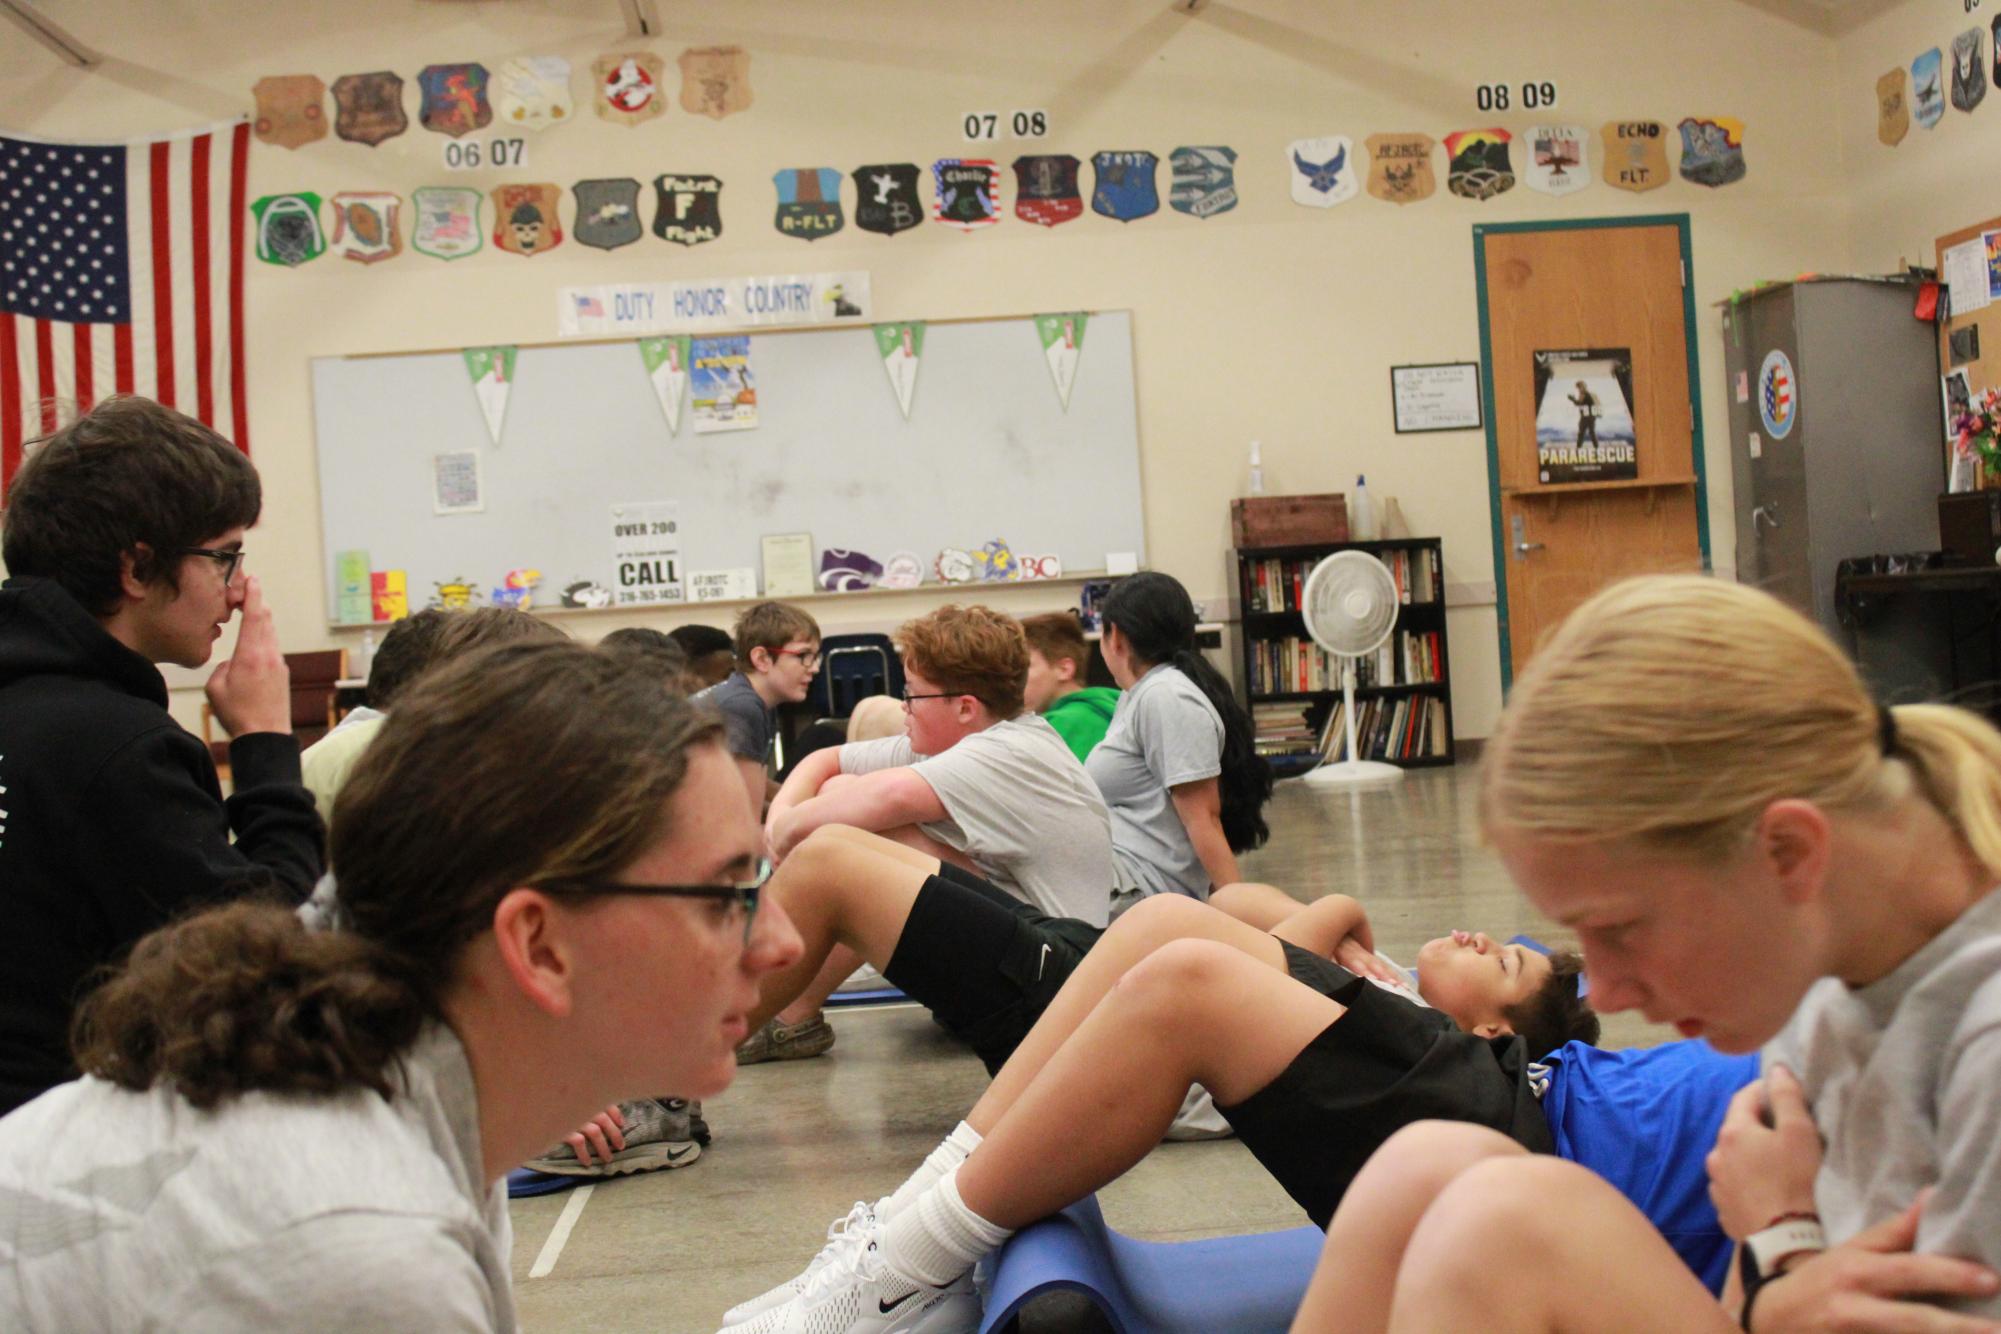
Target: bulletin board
x,y
989,451
1984,370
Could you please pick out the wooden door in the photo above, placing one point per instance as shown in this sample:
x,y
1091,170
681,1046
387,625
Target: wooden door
x,y
1614,287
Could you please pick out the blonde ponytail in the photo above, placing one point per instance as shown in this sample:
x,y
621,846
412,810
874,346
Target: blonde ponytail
x,y
1956,759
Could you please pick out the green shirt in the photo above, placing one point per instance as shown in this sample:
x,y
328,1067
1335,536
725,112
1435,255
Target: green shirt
x,y
1082,716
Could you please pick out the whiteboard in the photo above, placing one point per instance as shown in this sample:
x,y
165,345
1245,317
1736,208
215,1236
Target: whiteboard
x,y
989,452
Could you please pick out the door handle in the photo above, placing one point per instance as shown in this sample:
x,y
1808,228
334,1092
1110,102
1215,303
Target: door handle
x,y
1766,513
1528,546
1522,544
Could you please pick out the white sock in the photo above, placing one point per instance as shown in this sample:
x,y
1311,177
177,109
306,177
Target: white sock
x,y
938,1238
954,1149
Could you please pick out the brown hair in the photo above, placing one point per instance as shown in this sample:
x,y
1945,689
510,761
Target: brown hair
x,y
656,651
483,627
1555,1014
407,652
771,626
1056,635
970,651
521,764
127,477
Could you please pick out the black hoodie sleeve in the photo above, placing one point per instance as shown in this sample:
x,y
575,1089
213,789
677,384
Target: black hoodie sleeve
x,y
165,831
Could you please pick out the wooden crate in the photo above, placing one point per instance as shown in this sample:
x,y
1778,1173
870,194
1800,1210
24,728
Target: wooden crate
x,y
1286,521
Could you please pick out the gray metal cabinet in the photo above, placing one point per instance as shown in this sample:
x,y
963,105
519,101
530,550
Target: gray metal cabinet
x,y
1847,456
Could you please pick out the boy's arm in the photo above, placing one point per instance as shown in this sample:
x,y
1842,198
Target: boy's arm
x,y
1337,927
885,799
806,778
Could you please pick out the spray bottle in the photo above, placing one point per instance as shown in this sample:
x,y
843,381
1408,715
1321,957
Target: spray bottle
x,y
1361,520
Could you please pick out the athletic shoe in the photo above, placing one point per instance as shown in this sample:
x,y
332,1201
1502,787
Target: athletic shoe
x,y
786,1042
659,1133
857,1293
843,1234
864,978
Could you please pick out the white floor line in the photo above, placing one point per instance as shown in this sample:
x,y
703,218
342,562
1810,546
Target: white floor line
x,y
559,1235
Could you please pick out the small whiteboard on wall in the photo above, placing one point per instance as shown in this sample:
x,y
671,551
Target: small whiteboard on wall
x,y
988,452
1443,396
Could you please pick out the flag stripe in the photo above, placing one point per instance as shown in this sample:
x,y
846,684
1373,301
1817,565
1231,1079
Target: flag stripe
x,y
238,176
45,375
122,352
10,398
163,276
84,372
198,235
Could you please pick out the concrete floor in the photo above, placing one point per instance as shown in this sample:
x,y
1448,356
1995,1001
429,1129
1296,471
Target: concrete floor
x,y
796,1143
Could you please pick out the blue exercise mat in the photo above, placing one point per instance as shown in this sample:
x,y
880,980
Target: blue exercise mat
x,y
1242,1284
524,1182
877,996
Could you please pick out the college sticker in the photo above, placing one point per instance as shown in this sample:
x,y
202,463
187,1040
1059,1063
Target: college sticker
x,y
524,219
1045,189
1477,165
886,198
1400,167
368,108
447,221
628,87
1712,151
1204,180
1322,174
1125,189
1778,395
608,212
289,113
1556,159
809,202
968,192
687,209
1893,110
453,99
1635,154
365,227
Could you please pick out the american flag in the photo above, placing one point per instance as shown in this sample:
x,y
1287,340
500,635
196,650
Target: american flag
x,y
121,271
589,305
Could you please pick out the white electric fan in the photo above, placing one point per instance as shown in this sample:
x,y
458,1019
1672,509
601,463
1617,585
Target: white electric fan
x,y
1350,606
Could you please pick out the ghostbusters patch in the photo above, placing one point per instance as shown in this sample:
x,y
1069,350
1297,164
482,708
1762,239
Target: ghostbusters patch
x,y
1635,154
1045,189
453,99
1400,167
1204,181
1893,110
1927,96
628,87
289,110
968,192
809,202
288,228
715,80
1323,171
366,225
368,108
1478,166
886,198
524,219
447,225
608,212
1556,159
1125,190
533,92
1969,70
1712,151
687,209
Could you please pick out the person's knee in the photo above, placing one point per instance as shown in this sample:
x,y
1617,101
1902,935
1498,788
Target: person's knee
x,y
1160,917
1424,1158
1508,1208
1174,981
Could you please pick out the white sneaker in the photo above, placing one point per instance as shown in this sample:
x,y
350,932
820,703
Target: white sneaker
x,y
842,1234
857,1293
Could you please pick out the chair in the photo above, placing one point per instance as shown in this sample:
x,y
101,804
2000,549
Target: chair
x,y
853,667
313,690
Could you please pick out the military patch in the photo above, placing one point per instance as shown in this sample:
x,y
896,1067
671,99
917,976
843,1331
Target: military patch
x,y
1969,70
1205,180
533,92
1927,96
365,225
809,202
289,110
1323,171
288,228
525,221
629,87
1635,154
1556,163
368,108
1400,167
886,198
1045,189
608,212
1125,189
968,192
454,99
1477,165
687,210
1712,151
1893,110
447,225
715,80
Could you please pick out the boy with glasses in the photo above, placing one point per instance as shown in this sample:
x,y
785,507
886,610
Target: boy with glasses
x,y
777,657
123,538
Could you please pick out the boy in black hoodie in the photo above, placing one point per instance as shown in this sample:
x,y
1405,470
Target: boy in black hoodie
x,y
123,538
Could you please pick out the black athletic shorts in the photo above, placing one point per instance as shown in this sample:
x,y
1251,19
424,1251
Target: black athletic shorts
x,y
984,962
1384,1064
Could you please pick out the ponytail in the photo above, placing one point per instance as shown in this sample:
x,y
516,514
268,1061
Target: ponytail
x,y
1955,757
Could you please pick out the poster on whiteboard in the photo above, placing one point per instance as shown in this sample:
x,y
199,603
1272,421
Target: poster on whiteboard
x,y
646,554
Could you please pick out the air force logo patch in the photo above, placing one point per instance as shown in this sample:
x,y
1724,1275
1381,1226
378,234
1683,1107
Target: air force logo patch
x,y
1323,171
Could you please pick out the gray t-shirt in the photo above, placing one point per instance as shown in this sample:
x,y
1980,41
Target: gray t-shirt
x,y
1904,1077
748,727
1020,806
130,1211
1163,733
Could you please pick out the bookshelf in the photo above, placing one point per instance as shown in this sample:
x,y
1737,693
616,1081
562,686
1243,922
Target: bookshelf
x,y
1403,698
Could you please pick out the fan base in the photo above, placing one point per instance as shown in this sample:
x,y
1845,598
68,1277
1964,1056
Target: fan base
x,y
1354,774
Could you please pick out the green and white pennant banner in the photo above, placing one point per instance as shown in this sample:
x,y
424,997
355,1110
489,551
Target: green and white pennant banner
x,y
667,366
492,371
1062,343
901,346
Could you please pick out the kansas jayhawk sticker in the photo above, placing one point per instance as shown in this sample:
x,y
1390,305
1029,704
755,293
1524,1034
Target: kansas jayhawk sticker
x,y
454,99
1205,180
1477,163
809,202
1323,171
1125,188
1045,189
968,192
886,198
1712,151
687,210
1557,164
365,226
1635,154
533,92
629,87
1400,167
524,219
369,107
447,222
608,212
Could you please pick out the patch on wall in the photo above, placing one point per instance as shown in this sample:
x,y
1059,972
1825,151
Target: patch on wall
x,y
715,80
1927,97
1478,166
1205,180
629,87
968,192
447,221
809,202
1125,190
687,210
1558,159
1712,151
1893,108
608,212
366,225
1969,70
288,228
525,221
289,113
1323,170
886,198
368,108
454,99
1635,154
1400,167
534,92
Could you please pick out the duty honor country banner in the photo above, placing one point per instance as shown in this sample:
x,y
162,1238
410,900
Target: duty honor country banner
x,y
613,310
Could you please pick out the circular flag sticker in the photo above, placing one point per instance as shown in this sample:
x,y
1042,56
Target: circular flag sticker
x,y
1778,395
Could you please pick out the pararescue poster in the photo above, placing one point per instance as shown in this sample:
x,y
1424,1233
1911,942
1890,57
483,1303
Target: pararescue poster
x,y
1584,415
722,387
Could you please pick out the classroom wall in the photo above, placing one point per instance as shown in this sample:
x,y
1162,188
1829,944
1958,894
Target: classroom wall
x,y
1271,322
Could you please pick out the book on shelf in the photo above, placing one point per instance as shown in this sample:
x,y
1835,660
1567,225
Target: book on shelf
x,y
1280,585
1281,728
1291,664
1409,728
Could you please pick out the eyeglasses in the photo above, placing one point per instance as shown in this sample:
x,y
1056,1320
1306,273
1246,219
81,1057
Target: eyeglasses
x,y
743,897
909,698
809,658
231,561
